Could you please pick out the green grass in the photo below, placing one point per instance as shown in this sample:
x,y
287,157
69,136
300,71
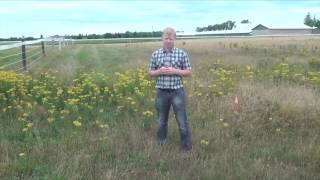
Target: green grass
x,y
114,41
100,58
271,134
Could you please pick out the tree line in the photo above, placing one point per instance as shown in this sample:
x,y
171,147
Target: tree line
x,y
127,34
18,39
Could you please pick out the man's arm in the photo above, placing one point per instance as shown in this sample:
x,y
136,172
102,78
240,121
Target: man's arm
x,y
184,72
170,71
153,73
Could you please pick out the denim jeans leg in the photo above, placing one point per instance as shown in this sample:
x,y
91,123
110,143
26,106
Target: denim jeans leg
x,y
179,107
163,107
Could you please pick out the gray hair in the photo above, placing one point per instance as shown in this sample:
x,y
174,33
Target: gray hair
x,y
169,31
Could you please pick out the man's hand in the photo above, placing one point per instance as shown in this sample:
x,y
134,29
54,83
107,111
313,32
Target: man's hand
x,y
168,71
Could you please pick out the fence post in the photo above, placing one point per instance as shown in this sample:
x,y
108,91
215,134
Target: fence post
x,y
42,45
64,42
59,44
24,57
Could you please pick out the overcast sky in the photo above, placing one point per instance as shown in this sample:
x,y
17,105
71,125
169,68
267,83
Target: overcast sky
x,y
32,18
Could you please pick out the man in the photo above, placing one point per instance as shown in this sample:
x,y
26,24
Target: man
x,y
169,65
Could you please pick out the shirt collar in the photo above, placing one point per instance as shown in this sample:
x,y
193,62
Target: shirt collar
x,y
171,51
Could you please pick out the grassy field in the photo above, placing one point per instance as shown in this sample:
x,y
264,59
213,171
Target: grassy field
x,y
87,112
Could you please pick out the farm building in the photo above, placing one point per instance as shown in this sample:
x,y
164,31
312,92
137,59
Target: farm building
x,y
264,30
258,30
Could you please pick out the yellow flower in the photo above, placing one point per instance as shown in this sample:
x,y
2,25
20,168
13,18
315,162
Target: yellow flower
x,y
204,142
29,125
65,112
104,126
248,68
24,129
44,100
73,101
77,123
59,92
51,111
50,119
148,114
21,154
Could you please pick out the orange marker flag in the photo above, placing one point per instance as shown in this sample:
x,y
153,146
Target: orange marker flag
x,y
236,100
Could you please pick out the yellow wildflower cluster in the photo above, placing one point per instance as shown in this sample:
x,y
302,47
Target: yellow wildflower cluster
x,y
148,114
204,142
27,127
77,122
104,126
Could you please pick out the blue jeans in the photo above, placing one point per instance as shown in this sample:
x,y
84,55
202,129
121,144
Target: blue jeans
x,y
164,99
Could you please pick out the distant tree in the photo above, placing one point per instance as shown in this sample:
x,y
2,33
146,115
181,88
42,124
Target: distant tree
x,y
312,22
29,38
92,36
13,39
199,29
245,21
317,24
107,35
308,21
228,25
80,36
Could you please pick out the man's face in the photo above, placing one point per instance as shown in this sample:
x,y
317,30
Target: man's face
x,y
168,41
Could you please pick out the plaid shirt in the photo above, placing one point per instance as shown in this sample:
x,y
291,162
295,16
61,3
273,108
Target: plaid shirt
x,y
177,58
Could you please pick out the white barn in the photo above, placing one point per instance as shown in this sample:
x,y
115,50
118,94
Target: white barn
x,y
264,30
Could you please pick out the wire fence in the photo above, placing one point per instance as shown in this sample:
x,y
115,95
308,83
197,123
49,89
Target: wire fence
x,y
24,55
